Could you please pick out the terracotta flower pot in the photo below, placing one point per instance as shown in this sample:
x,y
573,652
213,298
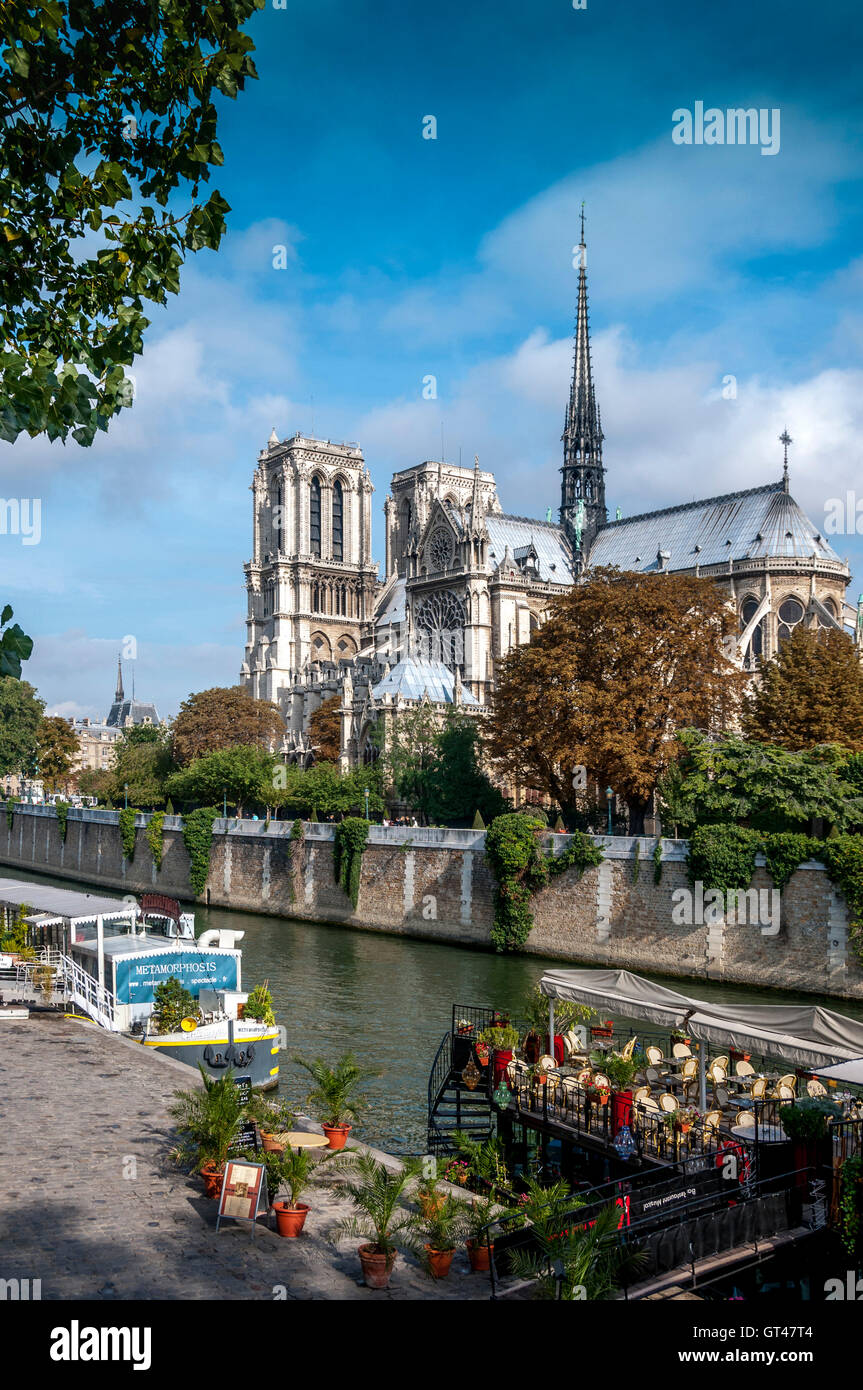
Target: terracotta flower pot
x,y
270,1144
479,1256
290,1220
439,1262
430,1205
337,1135
212,1176
377,1267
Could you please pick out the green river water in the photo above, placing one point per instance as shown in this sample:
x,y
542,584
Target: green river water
x,y
388,999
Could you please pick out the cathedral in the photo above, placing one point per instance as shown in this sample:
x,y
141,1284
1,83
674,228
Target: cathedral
x,y
464,581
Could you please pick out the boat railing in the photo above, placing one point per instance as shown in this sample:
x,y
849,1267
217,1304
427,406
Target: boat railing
x,y
88,993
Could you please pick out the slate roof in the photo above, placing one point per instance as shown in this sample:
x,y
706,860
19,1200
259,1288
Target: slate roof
x,y
413,677
394,610
136,710
554,557
758,523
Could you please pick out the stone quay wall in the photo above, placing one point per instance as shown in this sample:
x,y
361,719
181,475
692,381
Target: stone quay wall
x,y
435,884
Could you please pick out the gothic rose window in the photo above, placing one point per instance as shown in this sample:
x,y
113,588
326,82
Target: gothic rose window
x,y
440,549
791,612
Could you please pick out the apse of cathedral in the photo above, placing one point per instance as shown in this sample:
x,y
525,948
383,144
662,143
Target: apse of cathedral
x,y
464,581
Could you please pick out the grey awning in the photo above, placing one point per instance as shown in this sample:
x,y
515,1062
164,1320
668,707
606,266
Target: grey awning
x,y
804,1034
849,1072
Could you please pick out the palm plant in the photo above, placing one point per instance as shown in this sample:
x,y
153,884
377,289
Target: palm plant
x,y
295,1168
446,1226
375,1194
207,1121
477,1218
576,1257
333,1099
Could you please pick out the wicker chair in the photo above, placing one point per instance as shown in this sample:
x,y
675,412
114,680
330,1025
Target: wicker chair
x,y
641,1094
668,1102
654,1055
816,1088
681,1051
745,1120
759,1088
629,1049
743,1069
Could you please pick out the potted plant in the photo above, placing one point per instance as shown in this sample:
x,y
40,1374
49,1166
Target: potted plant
x,y
480,1246
620,1072
273,1121
503,1039
294,1169
381,1223
444,1230
806,1122
482,1053
428,1196
333,1099
207,1122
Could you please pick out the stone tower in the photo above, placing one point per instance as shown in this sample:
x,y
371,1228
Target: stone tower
x,y
582,493
311,582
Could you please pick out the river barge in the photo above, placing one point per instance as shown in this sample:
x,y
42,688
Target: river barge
x,y
106,957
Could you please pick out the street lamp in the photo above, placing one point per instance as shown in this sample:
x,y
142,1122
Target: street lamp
x,y
126,796
609,792
224,803
366,795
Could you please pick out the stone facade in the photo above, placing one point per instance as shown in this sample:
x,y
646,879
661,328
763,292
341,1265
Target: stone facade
x,y
436,884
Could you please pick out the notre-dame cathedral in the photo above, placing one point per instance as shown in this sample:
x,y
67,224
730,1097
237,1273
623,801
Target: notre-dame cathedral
x,y
465,581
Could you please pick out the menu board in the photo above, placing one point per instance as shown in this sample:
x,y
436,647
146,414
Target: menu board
x,y
242,1191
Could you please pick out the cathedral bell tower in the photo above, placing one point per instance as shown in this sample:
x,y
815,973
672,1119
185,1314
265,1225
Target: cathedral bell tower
x,y
582,492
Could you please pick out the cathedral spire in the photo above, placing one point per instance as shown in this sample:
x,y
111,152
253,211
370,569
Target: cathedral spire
x,y
118,693
476,499
583,473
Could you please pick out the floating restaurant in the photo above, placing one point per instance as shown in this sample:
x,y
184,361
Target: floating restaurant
x,y
721,1132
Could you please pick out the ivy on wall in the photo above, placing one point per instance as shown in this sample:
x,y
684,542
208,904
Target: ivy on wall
x,y
351,836
298,840
198,839
62,810
154,837
657,860
127,831
514,852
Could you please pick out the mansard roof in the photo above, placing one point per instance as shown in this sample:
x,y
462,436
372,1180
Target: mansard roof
x,y
413,678
554,557
133,711
762,522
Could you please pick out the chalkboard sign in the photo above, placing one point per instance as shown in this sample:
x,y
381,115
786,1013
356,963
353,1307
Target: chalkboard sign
x,y
244,1086
246,1137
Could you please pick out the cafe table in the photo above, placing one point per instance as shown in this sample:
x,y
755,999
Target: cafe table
x,y
767,1134
300,1139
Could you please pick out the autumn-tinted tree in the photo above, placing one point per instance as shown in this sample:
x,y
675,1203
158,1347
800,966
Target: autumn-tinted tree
x,y
57,747
109,116
623,662
21,712
811,692
325,730
222,717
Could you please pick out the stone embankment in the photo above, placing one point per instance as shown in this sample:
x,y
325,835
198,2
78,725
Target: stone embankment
x,y
436,884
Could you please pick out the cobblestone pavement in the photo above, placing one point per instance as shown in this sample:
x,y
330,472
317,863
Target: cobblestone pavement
x,y
80,1109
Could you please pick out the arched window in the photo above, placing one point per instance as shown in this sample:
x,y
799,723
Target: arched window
x,y
338,515
315,516
791,613
756,644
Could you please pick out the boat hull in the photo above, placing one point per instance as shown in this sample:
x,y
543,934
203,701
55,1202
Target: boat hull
x,y
253,1052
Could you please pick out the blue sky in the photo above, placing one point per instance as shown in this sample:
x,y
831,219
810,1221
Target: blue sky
x,y
453,257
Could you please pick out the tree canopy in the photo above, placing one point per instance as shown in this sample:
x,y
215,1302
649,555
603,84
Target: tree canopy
x,y
21,712
325,730
811,692
221,718
15,645
56,746
622,663
242,775
763,786
109,120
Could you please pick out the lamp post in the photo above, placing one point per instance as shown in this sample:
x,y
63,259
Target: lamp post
x,y
366,795
224,803
609,792
126,796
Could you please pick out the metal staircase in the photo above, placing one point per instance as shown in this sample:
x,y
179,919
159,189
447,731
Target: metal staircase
x,y
70,984
452,1105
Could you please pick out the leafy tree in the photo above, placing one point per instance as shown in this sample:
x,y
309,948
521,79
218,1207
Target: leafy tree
x,y
21,712
223,717
98,782
434,766
109,115
145,766
325,729
810,693
621,664
15,646
57,747
411,752
736,781
323,789
243,774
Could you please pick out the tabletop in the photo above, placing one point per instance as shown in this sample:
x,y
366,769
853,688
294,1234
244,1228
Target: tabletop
x,y
299,1139
767,1134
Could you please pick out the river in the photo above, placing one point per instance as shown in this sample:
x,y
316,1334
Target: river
x,y
388,999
